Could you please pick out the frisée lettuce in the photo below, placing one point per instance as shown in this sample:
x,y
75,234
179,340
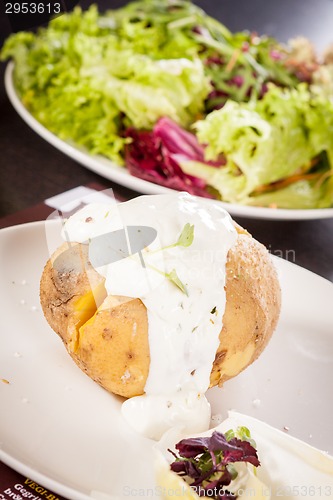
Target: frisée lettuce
x,y
78,80
279,150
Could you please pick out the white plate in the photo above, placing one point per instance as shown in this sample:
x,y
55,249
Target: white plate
x,y
110,170
61,429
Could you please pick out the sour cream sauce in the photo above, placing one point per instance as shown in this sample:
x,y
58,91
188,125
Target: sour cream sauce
x,y
184,320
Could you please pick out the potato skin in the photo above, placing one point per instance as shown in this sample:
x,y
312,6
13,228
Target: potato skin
x,y
112,348
252,307
67,276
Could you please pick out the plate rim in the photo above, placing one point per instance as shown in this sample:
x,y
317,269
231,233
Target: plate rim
x,y
41,478
115,173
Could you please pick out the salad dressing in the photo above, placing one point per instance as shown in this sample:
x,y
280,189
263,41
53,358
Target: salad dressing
x,y
180,277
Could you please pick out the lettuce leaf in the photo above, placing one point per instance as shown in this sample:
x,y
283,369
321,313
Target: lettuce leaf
x,y
144,90
84,84
90,77
285,137
302,194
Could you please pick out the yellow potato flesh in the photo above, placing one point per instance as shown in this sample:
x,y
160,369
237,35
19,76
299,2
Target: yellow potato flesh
x,y
84,308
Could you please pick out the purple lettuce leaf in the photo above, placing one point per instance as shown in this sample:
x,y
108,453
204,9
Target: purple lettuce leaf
x,y
204,461
156,156
242,451
191,447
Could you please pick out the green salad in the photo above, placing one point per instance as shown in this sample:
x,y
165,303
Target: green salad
x,y
176,98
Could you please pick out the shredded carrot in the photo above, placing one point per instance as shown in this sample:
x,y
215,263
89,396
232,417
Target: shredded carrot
x,y
286,182
233,60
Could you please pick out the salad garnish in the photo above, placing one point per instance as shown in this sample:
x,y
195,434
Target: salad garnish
x,y
274,145
207,464
170,93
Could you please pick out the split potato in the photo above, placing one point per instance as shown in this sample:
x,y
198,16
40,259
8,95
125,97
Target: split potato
x,y
107,336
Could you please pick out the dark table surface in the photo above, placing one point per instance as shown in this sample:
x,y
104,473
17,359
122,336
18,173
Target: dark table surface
x,y
32,170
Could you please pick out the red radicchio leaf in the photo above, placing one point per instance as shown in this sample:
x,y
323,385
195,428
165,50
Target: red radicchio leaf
x,y
156,156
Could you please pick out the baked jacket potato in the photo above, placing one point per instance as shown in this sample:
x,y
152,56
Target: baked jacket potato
x,y
107,336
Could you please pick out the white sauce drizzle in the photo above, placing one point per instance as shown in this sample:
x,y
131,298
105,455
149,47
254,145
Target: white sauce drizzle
x,y
183,329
